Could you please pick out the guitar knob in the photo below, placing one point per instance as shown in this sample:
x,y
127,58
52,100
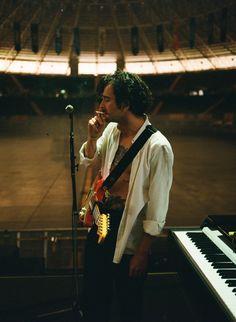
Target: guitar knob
x,y
82,211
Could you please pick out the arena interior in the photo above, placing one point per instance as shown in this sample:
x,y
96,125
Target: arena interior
x,y
52,54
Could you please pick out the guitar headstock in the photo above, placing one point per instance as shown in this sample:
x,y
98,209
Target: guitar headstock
x,y
103,224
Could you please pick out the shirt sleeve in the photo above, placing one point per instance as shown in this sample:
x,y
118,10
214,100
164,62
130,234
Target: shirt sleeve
x,y
101,145
161,176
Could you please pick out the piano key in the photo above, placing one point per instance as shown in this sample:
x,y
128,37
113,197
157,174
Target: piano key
x,y
231,282
216,257
215,282
227,273
223,265
203,243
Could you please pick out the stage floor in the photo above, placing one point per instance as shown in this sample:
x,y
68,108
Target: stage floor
x,y
36,193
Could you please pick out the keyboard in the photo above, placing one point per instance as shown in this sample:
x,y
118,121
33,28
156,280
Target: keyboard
x,y
214,261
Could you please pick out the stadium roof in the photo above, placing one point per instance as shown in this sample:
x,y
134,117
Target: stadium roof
x,y
71,37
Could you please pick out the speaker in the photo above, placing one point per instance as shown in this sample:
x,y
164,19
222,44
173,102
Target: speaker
x,y
135,40
34,37
76,40
58,41
17,36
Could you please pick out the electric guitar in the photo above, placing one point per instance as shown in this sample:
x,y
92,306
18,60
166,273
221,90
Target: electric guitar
x,y
90,212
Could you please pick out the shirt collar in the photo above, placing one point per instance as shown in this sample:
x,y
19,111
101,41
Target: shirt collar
x,y
142,128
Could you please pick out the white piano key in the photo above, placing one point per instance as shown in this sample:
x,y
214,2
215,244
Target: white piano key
x,y
216,284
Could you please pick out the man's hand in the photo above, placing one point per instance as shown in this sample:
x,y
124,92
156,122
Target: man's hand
x,y
139,262
138,265
96,126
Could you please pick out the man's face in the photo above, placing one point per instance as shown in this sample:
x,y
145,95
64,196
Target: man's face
x,y
109,106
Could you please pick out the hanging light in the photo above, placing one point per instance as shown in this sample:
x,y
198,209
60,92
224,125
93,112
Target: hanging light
x,y
58,41
17,36
135,40
192,32
210,23
223,24
34,37
175,34
160,38
101,40
76,40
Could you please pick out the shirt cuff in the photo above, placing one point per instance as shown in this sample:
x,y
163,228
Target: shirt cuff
x,y
152,227
83,159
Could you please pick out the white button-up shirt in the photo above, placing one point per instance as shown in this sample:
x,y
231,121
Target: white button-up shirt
x,y
149,185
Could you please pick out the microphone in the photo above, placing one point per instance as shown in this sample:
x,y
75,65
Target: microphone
x,y
69,109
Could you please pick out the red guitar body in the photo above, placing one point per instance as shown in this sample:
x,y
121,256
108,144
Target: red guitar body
x,y
96,194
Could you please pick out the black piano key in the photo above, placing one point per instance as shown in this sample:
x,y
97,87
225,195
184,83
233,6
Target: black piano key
x,y
216,258
212,249
231,282
209,251
195,234
203,242
211,254
223,265
234,290
227,273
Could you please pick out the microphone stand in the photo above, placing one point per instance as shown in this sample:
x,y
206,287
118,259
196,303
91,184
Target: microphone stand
x,y
77,313
75,214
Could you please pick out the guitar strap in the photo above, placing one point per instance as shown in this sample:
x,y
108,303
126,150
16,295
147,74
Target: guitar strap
x,y
128,157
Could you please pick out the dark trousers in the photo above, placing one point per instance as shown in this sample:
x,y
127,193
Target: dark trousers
x,y
103,279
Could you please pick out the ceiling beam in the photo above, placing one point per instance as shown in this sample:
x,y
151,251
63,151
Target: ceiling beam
x,y
11,16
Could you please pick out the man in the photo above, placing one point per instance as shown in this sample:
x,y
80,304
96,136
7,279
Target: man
x,y
137,202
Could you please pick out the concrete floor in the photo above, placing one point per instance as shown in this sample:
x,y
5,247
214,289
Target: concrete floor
x,y
35,190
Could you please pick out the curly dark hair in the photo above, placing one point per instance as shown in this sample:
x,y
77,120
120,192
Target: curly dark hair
x,y
130,90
